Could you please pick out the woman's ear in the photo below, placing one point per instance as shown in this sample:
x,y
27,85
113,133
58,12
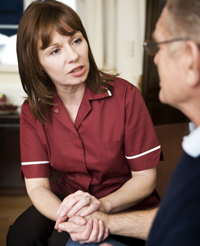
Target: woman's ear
x,y
192,63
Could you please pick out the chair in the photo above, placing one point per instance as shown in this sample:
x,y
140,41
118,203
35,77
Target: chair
x,y
170,138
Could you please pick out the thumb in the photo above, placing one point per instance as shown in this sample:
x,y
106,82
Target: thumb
x,y
78,220
61,227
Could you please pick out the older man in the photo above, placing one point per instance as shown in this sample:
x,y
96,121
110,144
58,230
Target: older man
x,y
177,55
178,60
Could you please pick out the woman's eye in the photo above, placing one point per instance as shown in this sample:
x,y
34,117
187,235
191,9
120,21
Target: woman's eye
x,y
77,41
55,52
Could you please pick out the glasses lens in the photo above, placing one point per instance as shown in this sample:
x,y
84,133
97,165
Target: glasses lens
x,y
151,47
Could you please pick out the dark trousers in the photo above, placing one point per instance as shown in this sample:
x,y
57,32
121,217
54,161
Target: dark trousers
x,y
33,229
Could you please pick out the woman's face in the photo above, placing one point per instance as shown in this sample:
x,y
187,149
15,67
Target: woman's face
x,y
65,60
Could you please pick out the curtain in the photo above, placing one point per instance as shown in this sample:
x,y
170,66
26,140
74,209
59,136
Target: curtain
x,y
115,30
130,38
91,14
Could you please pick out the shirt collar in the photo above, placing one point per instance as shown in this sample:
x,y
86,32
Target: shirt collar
x,y
90,94
93,96
191,142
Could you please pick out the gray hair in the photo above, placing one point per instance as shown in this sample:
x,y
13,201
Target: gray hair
x,y
184,19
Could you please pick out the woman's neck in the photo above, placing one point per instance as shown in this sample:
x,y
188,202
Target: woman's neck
x,y
72,96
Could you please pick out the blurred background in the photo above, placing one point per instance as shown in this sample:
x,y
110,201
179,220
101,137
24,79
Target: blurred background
x,y
116,30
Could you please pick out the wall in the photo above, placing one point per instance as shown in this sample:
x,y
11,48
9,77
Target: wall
x,y
10,84
130,38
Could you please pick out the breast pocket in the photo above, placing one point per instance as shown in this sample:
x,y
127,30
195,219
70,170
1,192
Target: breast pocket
x,y
117,162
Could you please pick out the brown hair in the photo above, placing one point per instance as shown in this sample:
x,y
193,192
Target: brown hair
x,y
37,23
184,19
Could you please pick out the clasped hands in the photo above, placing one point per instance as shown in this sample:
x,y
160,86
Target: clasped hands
x,y
79,215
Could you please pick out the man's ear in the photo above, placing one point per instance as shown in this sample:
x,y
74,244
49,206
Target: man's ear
x,y
192,63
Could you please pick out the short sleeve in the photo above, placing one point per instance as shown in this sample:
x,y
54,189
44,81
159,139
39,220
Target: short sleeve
x,y
142,148
34,157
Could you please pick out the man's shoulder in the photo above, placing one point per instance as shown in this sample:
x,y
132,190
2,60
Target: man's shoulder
x,y
178,215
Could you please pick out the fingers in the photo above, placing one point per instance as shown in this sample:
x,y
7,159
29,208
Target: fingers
x,y
77,199
106,234
101,232
70,227
81,201
93,235
93,232
75,202
89,198
59,221
94,206
78,220
85,234
74,207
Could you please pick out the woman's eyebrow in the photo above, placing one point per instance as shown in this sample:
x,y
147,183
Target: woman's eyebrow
x,y
57,44
49,46
76,33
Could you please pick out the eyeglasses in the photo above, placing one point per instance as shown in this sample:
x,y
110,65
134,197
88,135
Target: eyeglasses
x,y
152,47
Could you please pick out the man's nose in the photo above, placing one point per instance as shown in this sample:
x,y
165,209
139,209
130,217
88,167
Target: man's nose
x,y
155,59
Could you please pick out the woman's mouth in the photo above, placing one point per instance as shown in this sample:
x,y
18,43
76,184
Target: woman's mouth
x,y
77,72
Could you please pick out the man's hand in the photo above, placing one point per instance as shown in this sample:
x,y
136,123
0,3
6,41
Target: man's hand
x,y
87,230
92,231
79,203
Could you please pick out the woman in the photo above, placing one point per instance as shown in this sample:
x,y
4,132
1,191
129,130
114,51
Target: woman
x,y
92,127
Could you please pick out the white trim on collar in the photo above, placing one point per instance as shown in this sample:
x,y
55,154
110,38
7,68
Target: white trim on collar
x,y
191,142
109,92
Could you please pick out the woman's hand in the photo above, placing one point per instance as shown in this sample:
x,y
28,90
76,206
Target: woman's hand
x,y
75,203
79,203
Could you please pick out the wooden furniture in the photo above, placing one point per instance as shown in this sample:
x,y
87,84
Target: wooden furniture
x,y
170,137
10,159
160,113
10,162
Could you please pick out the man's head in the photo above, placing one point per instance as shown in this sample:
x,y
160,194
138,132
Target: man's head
x,y
184,18
178,58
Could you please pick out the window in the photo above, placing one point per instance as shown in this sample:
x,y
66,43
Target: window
x,y
10,14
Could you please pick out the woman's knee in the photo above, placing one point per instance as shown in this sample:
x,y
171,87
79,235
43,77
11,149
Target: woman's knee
x,y
16,237
30,228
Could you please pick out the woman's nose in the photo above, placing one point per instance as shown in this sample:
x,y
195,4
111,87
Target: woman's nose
x,y
71,55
